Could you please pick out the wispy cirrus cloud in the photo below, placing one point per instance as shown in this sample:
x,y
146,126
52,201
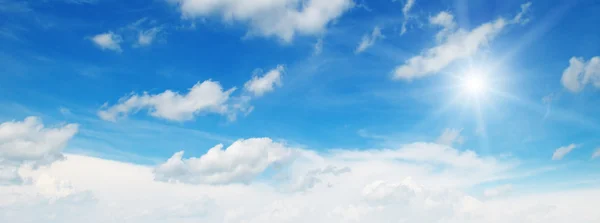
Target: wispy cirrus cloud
x,y
368,40
563,151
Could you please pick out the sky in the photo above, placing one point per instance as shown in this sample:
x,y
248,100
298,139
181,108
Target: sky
x,y
299,111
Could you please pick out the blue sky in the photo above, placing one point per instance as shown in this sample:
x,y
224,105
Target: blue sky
x,y
345,78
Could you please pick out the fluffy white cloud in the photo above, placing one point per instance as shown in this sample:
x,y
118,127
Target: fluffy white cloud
x,y
267,83
498,191
596,153
450,136
405,10
453,44
242,161
280,18
205,97
563,151
580,73
108,41
368,40
30,143
91,189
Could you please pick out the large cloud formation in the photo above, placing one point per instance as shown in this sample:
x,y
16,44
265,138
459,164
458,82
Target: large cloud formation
x,y
407,187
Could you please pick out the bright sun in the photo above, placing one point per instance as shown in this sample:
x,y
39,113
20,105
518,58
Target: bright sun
x,y
474,83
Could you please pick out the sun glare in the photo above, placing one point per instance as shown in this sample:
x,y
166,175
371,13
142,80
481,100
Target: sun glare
x,y
474,83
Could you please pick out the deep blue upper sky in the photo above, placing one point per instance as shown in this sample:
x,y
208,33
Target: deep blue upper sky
x,y
338,98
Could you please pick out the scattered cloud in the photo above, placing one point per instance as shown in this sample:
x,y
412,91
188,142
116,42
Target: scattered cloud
x,y
205,97
498,191
242,161
519,17
596,153
29,143
146,37
108,41
405,10
283,19
318,48
146,31
453,44
450,136
580,73
258,86
563,151
368,40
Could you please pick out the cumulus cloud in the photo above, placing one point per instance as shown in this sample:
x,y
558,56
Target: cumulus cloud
x,y
563,151
581,73
280,18
453,44
258,86
108,41
405,10
28,142
242,161
205,97
370,189
368,40
450,136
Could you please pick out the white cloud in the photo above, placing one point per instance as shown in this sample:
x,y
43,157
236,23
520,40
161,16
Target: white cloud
x,y
281,18
146,37
318,49
519,17
450,136
108,41
596,154
242,161
30,143
455,44
93,190
267,83
580,73
205,97
498,191
405,10
562,151
368,40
